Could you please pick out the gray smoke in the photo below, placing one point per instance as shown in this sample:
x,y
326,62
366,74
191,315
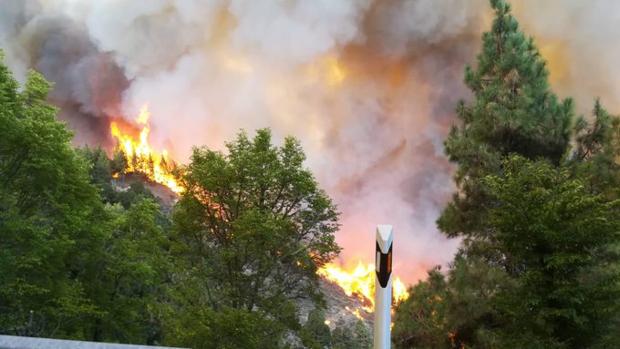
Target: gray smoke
x,y
368,86
88,84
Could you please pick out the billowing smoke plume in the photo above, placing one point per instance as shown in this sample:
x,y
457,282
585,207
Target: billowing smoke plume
x,y
579,40
88,82
368,86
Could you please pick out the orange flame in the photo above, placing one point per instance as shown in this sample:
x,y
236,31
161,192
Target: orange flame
x,y
360,282
141,158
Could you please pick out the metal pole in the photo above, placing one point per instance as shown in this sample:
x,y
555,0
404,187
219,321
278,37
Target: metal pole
x,y
383,287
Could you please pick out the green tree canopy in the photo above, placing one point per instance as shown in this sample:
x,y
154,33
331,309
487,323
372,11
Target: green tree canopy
x,y
557,286
538,266
513,110
70,265
252,227
46,204
556,237
597,150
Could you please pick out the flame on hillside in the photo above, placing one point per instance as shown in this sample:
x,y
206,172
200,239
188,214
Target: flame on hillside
x,y
360,282
140,157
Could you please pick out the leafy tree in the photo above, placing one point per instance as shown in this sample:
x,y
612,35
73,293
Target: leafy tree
x,y
226,328
119,162
512,111
127,275
100,171
100,167
315,334
70,266
554,235
420,320
46,210
251,229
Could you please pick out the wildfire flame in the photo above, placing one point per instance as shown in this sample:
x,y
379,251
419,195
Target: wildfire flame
x,y
133,142
360,282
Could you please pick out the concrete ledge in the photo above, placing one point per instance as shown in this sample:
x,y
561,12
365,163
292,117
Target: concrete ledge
x,y
14,342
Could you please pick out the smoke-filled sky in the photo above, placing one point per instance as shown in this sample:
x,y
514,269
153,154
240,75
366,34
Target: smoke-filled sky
x,y
368,86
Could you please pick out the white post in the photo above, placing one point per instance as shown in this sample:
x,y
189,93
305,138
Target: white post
x,y
383,287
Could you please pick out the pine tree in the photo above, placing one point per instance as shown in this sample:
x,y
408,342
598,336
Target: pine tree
x,y
512,111
421,321
597,150
150,165
119,162
555,237
539,266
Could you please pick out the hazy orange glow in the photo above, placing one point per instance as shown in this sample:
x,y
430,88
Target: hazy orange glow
x,y
554,52
329,70
360,282
141,157
336,72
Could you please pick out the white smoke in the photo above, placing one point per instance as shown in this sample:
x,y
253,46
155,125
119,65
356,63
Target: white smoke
x,y
580,37
369,87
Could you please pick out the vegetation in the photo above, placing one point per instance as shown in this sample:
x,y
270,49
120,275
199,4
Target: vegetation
x,y
537,211
538,267
249,233
82,258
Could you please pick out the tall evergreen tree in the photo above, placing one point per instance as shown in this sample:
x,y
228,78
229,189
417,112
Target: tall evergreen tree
x,y
538,267
597,150
596,160
420,321
554,235
512,111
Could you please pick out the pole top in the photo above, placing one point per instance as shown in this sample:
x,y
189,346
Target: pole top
x,y
384,237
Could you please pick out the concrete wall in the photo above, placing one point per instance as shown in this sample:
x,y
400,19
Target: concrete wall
x,y
13,342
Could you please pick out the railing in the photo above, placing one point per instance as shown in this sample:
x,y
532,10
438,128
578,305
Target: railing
x,y
15,342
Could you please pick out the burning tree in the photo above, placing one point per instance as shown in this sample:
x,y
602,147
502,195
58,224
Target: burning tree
x,y
134,154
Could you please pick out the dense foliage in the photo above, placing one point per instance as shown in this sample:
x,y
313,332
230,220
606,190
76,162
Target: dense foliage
x,y
71,265
538,266
513,111
87,256
249,232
